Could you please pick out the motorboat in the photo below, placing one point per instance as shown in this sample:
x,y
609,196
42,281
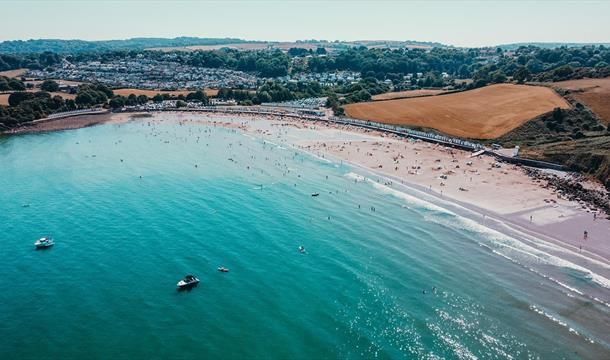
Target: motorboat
x,y
223,269
302,249
187,282
44,242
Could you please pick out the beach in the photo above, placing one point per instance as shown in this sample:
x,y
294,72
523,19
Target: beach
x,y
492,190
495,189
392,267
480,183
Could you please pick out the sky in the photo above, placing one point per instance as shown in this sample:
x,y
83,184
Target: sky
x,y
458,23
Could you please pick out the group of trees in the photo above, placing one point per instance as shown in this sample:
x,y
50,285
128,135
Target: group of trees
x,y
295,51
483,65
92,94
29,106
490,65
49,85
274,91
120,101
80,46
11,84
267,63
540,64
29,61
360,91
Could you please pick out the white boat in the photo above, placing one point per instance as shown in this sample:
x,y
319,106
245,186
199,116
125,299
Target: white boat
x,y
223,269
187,282
44,242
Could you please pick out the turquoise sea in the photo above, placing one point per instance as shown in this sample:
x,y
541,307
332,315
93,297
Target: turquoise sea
x,y
387,274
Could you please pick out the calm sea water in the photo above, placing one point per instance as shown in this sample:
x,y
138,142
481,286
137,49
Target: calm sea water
x,y
133,208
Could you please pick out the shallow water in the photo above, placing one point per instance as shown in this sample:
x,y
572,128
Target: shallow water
x,y
408,280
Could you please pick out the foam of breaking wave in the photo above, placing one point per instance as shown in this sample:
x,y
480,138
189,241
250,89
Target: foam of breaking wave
x,y
265,141
500,240
320,158
511,243
399,194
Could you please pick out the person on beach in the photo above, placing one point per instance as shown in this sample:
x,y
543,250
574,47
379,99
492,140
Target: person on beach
x,y
585,235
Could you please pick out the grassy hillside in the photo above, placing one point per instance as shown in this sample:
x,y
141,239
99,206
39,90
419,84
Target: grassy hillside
x,y
574,137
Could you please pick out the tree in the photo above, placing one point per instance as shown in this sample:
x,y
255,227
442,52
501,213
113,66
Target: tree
x,y
131,100
4,84
180,104
557,115
17,98
117,102
521,74
49,85
84,99
297,52
534,66
89,95
142,99
158,98
601,64
498,77
263,96
198,96
563,71
70,104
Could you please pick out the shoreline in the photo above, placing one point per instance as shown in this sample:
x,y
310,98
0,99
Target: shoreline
x,y
377,139
60,124
552,230
484,214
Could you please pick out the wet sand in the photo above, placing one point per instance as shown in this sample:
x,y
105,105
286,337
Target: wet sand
x,y
68,123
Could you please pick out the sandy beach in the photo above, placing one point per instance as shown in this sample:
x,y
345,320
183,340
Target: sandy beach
x,y
498,190
495,190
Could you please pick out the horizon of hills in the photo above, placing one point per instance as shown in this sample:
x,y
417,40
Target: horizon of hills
x,y
142,43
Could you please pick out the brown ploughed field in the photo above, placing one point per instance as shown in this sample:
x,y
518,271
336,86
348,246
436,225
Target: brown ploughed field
x,y
484,113
13,73
595,93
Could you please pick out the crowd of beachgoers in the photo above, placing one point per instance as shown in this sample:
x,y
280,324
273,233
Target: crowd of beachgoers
x,y
548,203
